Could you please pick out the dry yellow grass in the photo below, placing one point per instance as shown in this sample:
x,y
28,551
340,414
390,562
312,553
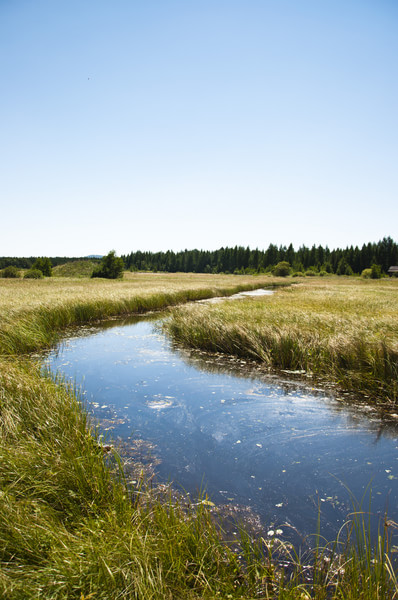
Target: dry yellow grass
x,y
18,294
32,312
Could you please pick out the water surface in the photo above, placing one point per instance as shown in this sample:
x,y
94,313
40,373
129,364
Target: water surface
x,y
281,447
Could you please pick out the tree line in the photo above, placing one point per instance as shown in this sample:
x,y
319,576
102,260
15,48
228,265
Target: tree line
x,y
245,260
108,267
28,262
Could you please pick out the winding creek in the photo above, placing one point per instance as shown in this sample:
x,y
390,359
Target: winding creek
x,y
221,425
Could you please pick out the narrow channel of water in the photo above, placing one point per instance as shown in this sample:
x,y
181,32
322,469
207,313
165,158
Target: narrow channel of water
x,y
278,446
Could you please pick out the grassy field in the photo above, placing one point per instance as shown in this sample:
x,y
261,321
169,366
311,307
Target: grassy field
x,y
344,330
34,312
75,268
71,527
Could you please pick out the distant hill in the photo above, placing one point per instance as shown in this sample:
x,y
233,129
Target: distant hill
x,y
77,268
27,262
94,256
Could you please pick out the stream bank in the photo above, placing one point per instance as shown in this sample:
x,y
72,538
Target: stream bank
x,y
222,426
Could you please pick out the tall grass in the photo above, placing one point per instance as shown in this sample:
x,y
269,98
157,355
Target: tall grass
x,y
346,332
32,314
71,527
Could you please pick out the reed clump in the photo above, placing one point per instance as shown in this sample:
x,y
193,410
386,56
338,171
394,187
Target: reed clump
x,y
344,331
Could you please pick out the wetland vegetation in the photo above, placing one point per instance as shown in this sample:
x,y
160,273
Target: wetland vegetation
x,y
71,526
33,313
341,330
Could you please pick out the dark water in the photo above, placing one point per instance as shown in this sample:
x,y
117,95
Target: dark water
x,y
280,447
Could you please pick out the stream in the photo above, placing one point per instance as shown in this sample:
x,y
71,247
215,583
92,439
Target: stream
x,y
280,447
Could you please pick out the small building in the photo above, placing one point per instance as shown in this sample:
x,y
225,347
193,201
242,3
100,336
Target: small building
x,y
393,271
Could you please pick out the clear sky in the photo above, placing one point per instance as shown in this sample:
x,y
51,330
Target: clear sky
x,y
172,124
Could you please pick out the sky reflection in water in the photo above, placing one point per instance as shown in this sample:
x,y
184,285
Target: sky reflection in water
x,y
275,445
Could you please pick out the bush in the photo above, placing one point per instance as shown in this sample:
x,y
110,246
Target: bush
x,y
10,272
327,266
366,273
323,273
44,265
298,274
33,274
375,272
111,267
310,273
343,268
282,269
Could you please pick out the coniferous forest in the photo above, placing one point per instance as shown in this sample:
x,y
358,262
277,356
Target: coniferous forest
x,y
244,260
347,261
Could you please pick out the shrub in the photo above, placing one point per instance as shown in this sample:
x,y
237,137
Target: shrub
x,y
33,274
323,273
282,269
310,273
375,271
366,273
298,274
10,272
44,265
327,266
111,267
343,268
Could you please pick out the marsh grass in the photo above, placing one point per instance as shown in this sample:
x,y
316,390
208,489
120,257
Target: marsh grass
x,y
72,527
343,331
33,313
69,524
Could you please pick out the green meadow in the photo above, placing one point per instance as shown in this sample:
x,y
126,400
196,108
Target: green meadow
x,y
70,525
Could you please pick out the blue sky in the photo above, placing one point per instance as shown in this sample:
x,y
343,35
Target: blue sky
x,y
166,124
